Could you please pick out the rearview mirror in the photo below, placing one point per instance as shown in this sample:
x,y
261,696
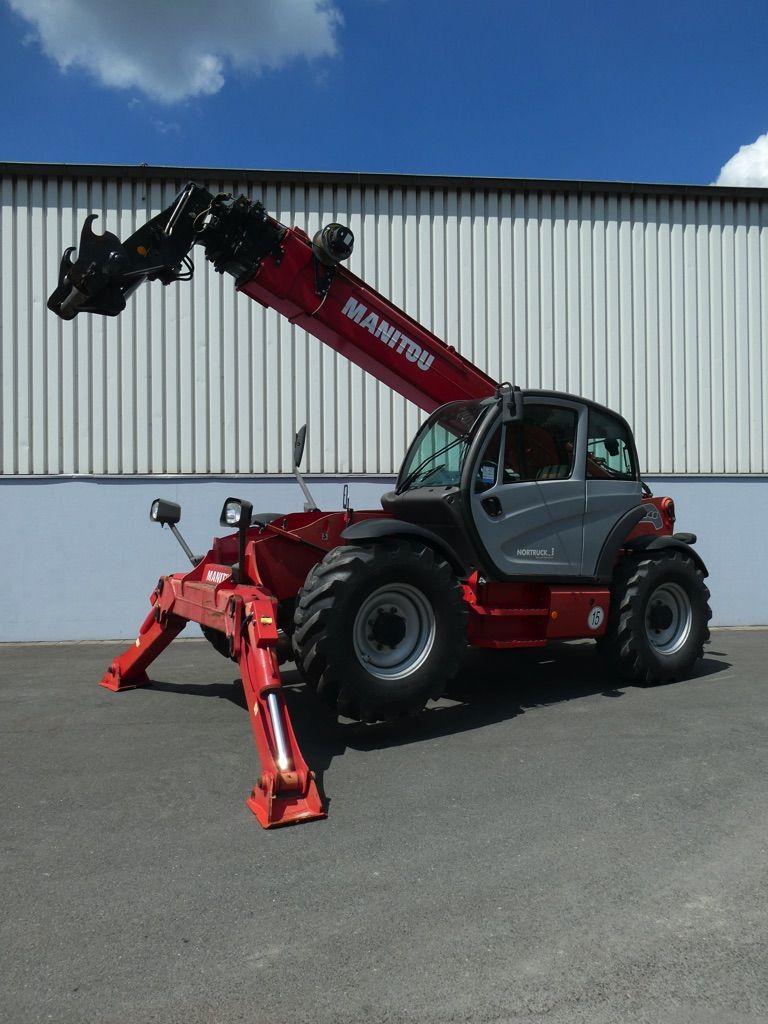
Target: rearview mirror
x,y
298,445
511,402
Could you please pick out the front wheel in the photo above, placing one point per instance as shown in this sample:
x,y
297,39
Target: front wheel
x,y
657,626
379,628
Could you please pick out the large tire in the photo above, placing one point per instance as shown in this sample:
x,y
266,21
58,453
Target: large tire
x,y
219,641
379,628
657,626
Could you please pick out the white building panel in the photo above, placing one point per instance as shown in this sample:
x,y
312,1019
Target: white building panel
x,y
651,300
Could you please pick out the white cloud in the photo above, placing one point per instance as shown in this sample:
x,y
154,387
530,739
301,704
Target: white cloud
x,y
748,167
166,127
172,50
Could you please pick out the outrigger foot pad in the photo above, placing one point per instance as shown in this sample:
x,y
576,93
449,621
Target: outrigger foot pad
x,y
113,680
274,809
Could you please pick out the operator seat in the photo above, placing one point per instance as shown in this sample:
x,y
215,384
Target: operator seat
x,y
540,456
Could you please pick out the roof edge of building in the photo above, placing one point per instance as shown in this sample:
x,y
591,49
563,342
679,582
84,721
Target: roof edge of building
x,y
144,172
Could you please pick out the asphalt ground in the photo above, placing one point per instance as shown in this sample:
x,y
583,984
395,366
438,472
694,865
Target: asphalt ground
x,y
548,845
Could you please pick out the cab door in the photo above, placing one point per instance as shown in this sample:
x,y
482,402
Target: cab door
x,y
613,481
528,491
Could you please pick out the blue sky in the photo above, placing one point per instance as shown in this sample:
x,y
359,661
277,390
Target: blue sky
x,y
622,91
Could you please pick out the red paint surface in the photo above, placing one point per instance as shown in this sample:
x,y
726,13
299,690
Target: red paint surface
x,y
290,289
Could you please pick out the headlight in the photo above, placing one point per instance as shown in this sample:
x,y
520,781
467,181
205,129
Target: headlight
x,y
236,513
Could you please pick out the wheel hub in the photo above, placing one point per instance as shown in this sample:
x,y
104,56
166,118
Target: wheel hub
x,y
668,618
394,631
387,628
660,617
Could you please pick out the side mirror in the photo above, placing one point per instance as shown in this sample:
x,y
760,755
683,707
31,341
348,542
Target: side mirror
x,y
310,505
298,445
511,402
168,513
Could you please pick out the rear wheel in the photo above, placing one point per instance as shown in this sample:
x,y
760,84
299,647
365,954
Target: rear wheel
x,y
657,626
379,628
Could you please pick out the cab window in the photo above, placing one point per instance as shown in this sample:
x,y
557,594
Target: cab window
x,y
609,449
437,454
542,445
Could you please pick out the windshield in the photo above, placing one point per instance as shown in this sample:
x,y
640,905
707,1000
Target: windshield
x,y
436,457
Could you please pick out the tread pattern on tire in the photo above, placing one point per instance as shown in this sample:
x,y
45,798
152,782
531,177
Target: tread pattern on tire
x,y
219,641
626,644
323,621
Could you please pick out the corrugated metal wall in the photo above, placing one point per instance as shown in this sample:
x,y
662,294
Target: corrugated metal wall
x,y
654,304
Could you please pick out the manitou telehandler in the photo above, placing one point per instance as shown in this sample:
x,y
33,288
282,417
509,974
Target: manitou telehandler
x,y
518,516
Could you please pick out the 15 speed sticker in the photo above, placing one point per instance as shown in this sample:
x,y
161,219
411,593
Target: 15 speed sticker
x,y
595,617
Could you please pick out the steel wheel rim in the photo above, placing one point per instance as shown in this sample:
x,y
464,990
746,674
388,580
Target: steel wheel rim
x,y
408,615
668,618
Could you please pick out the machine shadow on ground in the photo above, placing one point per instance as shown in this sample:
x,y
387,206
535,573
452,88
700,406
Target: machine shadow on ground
x,y
491,686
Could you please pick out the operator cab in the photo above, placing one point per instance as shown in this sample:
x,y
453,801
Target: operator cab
x,y
535,497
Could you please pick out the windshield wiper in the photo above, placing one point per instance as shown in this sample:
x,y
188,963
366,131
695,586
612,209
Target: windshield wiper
x,y
413,475
431,472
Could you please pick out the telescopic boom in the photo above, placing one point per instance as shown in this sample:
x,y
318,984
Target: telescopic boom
x,y
280,267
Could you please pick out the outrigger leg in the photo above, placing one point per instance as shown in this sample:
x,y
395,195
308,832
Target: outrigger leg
x,y
286,792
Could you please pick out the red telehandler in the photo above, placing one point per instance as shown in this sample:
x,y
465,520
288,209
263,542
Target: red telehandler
x,y
518,517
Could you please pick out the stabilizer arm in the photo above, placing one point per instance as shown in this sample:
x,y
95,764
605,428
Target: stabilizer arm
x,y
286,792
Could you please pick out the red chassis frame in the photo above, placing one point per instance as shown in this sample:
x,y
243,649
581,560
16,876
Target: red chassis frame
x,y
278,556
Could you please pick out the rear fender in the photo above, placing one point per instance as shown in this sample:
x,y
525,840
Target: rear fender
x,y
666,543
615,541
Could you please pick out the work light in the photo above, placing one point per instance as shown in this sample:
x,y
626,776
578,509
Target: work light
x,y
165,512
332,244
168,513
236,513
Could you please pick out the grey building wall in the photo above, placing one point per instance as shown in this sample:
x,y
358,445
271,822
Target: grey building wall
x,y
651,299
81,556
